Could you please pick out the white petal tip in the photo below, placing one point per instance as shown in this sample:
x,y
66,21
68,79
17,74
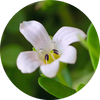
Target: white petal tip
x,y
50,70
22,24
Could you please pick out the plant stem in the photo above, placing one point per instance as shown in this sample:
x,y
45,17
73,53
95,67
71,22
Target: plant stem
x,y
61,79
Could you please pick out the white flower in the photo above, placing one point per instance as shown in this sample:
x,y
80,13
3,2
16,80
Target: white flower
x,y
48,52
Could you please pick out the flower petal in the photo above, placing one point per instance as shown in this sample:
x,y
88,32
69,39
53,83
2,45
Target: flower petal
x,y
28,61
69,55
68,35
50,70
36,34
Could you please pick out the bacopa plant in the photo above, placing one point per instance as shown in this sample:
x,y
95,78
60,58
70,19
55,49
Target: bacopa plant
x,y
48,52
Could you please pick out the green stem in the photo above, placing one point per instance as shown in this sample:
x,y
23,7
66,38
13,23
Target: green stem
x,y
61,79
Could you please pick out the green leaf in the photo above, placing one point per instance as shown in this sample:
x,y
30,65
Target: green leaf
x,y
81,88
93,42
55,88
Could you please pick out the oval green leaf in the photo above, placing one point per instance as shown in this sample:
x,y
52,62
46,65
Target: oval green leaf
x,y
55,88
93,42
81,88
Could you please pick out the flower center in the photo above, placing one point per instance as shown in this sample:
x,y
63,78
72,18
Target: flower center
x,y
53,55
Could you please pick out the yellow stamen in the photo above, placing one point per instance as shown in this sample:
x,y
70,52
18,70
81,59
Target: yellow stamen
x,y
52,56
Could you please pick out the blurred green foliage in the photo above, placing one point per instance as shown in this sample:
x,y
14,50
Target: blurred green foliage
x,y
53,15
